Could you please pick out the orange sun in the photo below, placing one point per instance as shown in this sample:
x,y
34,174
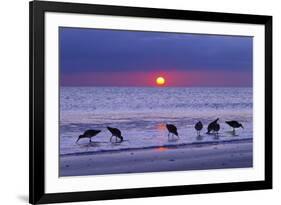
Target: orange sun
x,y
160,80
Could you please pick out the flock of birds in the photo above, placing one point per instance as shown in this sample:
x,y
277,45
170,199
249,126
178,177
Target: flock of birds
x,y
213,127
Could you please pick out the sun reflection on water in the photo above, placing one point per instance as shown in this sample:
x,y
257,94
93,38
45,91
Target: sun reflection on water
x,y
161,149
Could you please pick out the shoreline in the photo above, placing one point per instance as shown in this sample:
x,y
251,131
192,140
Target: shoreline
x,y
168,146
196,156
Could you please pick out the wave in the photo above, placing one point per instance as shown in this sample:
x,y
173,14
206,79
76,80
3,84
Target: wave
x,y
168,146
101,100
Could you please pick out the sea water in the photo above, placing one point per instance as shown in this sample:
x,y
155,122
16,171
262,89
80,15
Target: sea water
x,y
141,113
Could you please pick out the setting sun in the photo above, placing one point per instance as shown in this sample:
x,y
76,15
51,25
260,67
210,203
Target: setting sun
x,y
160,81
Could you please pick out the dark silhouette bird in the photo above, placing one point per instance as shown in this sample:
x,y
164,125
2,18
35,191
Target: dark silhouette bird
x,y
88,134
115,133
216,129
198,126
234,124
172,129
212,125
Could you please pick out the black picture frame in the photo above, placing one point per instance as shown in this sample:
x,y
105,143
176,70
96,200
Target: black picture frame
x,y
37,193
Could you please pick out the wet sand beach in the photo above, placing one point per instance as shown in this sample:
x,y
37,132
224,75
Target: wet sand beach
x,y
195,157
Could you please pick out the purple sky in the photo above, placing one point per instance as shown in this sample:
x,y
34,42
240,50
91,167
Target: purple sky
x,y
94,57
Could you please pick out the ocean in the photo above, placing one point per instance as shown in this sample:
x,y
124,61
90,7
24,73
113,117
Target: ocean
x,y
141,113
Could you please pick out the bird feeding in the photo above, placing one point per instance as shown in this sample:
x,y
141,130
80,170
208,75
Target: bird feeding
x,y
172,129
88,134
234,124
115,133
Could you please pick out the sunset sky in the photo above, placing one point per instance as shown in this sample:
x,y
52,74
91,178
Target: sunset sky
x,y
94,57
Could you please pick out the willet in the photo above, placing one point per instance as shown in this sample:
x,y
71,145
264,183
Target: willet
x,y
115,133
234,124
212,125
88,134
172,129
198,126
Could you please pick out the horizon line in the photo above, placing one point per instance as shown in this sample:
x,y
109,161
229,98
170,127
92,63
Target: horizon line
x,y
245,86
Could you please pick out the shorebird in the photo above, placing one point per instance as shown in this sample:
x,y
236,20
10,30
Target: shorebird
x,y
212,125
89,134
172,129
216,129
234,124
198,126
115,133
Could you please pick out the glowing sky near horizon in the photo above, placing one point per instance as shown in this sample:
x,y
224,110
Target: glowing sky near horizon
x,y
94,57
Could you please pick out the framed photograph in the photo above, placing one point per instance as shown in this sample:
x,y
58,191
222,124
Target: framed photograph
x,y
130,102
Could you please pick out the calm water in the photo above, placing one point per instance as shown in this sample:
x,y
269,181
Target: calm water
x,y
141,115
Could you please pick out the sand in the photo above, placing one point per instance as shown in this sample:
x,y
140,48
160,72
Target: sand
x,y
195,157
